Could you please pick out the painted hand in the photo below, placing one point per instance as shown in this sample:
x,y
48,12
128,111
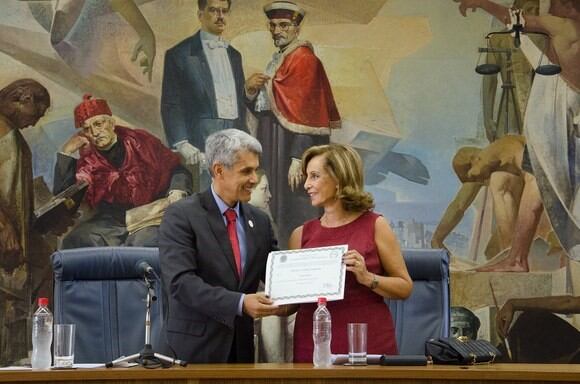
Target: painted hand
x,y
74,143
175,195
464,5
191,155
255,82
10,251
504,318
146,45
295,174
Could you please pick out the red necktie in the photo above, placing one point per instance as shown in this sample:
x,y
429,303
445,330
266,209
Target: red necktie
x,y
231,217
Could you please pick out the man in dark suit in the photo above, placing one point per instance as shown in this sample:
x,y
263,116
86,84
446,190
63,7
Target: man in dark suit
x,y
211,263
203,85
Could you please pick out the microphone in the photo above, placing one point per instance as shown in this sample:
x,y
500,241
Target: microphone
x,y
144,269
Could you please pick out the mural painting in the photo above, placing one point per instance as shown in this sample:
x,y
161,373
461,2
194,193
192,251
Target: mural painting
x,y
469,143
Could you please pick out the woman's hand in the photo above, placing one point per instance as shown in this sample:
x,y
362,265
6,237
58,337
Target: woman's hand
x,y
356,264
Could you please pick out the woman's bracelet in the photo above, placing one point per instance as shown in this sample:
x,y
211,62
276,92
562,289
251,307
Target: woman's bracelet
x,y
374,283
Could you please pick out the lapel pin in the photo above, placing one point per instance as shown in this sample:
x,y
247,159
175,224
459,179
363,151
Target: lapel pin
x,y
251,223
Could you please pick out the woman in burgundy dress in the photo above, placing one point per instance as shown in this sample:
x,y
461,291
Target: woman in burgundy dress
x,y
334,181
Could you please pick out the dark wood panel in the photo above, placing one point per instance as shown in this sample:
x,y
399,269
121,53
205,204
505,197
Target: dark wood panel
x,y
297,381
305,374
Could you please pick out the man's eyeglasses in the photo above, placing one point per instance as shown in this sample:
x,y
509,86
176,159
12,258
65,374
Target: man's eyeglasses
x,y
216,11
283,26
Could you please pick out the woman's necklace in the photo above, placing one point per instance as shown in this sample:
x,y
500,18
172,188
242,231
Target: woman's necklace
x,y
338,221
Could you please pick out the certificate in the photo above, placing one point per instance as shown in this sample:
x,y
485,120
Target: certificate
x,y
304,275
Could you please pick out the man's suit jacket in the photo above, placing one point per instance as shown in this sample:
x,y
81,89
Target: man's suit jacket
x,y
200,283
188,103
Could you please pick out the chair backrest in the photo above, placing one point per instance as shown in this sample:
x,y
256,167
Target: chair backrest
x,y
426,313
101,291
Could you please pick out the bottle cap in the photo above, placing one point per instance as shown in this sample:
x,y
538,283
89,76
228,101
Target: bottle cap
x,y
43,301
322,300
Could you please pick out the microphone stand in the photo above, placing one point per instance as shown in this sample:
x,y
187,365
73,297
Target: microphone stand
x,y
147,357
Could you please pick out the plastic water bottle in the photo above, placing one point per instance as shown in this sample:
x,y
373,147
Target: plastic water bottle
x,y
41,335
321,334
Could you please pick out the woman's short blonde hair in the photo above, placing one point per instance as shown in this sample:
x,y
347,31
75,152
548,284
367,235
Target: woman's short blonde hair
x,y
345,166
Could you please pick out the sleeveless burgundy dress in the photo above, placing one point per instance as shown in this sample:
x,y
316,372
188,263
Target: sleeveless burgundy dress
x,y
360,304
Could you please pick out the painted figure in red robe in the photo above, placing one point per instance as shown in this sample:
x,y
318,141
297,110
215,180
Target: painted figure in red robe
x,y
125,168
295,106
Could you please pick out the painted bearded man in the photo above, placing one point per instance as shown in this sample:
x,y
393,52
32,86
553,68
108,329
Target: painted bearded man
x,y
125,168
295,106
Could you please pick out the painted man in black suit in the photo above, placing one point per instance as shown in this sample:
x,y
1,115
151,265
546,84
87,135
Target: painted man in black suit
x,y
203,85
210,279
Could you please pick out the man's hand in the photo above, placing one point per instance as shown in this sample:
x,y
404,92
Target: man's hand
x,y
74,143
504,318
191,155
295,174
258,305
464,5
255,82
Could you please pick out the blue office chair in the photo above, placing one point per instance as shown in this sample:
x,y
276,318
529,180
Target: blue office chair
x,y
101,291
426,313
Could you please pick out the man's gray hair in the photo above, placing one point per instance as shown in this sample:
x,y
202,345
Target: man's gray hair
x,y
223,146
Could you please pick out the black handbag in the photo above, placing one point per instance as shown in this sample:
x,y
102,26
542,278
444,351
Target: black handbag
x,y
462,351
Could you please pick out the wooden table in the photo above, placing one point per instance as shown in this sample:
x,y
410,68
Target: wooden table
x,y
305,374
